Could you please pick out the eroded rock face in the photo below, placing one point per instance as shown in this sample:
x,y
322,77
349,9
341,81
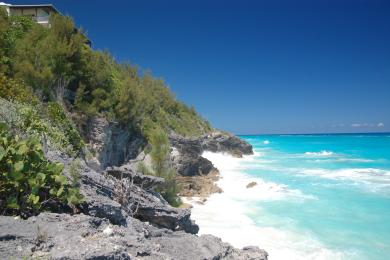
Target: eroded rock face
x,y
111,143
62,236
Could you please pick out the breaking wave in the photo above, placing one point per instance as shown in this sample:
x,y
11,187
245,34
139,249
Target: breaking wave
x,y
227,214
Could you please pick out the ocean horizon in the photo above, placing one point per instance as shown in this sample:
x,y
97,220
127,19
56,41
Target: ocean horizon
x,y
317,196
325,133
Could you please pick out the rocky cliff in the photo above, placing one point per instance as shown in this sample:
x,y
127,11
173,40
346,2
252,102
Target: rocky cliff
x,y
122,216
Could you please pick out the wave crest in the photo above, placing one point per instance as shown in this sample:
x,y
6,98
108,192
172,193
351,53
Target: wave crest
x,y
321,153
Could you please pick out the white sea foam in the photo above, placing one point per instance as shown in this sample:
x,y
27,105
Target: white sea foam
x,y
227,214
233,182
375,179
266,142
321,153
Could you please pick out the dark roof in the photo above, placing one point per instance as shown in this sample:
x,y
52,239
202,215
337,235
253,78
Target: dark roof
x,y
39,5
88,41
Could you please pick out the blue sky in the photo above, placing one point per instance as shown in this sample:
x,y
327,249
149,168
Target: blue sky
x,y
257,66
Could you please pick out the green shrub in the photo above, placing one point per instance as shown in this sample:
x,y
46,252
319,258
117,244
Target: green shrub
x,y
142,168
16,91
162,167
28,182
58,116
170,188
74,170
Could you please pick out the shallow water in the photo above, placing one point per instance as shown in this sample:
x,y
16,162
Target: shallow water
x,y
317,197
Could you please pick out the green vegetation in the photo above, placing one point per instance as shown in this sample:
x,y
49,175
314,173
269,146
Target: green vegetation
x,y
162,167
17,91
57,65
28,182
50,125
52,84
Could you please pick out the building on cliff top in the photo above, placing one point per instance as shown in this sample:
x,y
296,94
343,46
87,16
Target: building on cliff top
x,y
40,13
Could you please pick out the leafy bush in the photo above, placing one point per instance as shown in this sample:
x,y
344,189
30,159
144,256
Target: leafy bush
x,y
28,182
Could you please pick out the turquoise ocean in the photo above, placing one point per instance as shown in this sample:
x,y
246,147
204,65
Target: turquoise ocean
x,y
317,197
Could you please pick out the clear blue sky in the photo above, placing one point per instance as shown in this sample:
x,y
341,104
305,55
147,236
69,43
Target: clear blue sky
x,y
257,66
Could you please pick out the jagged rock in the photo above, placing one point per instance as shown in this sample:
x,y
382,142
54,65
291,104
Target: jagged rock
x,y
99,193
216,141
97,189
225,142
148,205
144,181
192,165
109,195
187,152
62,236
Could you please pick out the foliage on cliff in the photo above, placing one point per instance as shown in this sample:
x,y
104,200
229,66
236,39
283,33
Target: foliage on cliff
x,y
55,64
48,122
28,182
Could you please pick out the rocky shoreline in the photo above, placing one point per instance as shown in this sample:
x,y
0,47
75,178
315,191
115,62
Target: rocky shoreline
x,y
197,175
122,216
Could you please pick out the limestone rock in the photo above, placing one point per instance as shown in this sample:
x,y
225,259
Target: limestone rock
x,y
63,236
118,193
